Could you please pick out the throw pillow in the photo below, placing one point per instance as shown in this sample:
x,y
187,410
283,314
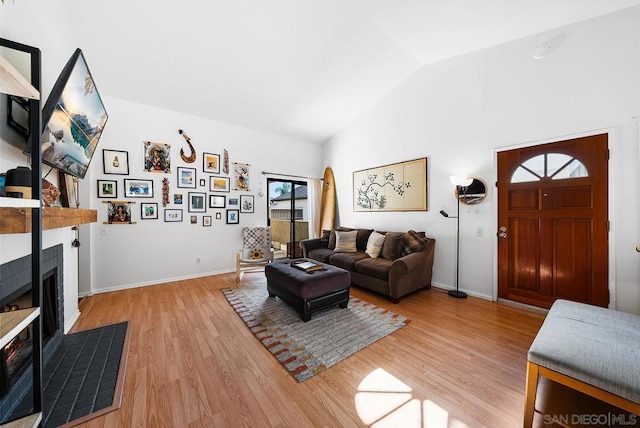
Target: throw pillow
x,y
346,242
363,238
325,237
392,246
332,236
374,244
414,241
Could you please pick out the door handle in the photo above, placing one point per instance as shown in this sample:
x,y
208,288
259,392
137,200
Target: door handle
x,y
502,232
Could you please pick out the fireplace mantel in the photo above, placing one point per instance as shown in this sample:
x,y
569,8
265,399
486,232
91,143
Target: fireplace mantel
x,y
18,220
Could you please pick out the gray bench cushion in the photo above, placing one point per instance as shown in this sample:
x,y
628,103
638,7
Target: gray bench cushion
x,y
597,346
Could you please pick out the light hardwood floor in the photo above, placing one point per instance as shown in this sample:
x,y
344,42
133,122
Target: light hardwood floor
x,y
193,363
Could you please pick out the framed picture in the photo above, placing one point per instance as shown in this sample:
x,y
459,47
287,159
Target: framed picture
x,y
203,182
197,202
186,177
246,203
68,190
134,188
233,216
119,212
218,216
107,189
148,210
72,119
211,163
194,219
172,215
217,201
115,162
219,184
241,176
156,157
177,198
206,220
233,202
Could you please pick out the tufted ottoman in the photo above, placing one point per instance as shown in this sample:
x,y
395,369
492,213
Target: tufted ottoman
x,y
308,292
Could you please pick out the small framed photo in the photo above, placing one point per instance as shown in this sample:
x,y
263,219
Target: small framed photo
x,y
203,182
197,202
107,189
219,184
148,210
233,216
171,215
206,221
119,212
186,177
217,201
177,198
211,163
115,162
157,157
194,219
134,188
233,202
246,203
218,216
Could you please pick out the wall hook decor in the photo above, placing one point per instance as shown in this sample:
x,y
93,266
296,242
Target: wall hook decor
x,y
192,157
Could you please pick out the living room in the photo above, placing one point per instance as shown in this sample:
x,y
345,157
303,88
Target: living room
x,y
456,112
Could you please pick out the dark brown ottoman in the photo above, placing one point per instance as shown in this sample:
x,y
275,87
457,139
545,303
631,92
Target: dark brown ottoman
x,y
308,292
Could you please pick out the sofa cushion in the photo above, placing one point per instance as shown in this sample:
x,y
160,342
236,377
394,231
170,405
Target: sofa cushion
x,y
325,237
374,244
393,244
347,260
321,254
346,241
332,237
377,268
363,238
414,241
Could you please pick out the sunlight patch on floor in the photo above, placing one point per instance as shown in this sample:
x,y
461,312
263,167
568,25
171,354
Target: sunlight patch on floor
x,y
385,401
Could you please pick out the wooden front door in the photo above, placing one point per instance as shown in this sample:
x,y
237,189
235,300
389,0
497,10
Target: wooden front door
x,y
553,222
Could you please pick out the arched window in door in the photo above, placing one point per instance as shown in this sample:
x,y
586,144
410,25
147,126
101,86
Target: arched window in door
x,y
554,166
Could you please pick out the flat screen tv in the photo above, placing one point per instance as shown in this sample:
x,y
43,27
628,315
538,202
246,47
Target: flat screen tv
x,y
73,119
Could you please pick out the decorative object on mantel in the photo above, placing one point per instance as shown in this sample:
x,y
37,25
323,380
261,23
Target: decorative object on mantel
x,y
68,190
119,212
225,165
396,187
50,193
165,191
241,176
18,183
157,157
192,157
308,348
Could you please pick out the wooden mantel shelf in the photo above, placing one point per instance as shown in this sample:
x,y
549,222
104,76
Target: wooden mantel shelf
x,y
18,220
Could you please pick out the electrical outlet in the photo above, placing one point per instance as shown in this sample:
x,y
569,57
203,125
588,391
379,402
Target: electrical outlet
x,y
104,231
197,259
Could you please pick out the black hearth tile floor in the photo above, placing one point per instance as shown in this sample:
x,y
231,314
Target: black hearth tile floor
x,y
80,377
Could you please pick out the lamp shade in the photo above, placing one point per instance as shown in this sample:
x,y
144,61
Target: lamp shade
x,y
461,180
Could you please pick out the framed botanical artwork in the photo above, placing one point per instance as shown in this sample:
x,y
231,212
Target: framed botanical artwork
x,y
246,203
119,212
211,163
172,215
186,177
194,219
134,188
241,176
107,189
206,220
197,202
233,216
177,198
148,210
233,202
218,216
219,184
156,157
115,162
217,201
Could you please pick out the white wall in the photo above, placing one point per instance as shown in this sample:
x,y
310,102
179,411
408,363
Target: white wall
x,y
459,112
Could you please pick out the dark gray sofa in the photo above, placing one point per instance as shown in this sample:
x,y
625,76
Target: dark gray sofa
x,y
393,276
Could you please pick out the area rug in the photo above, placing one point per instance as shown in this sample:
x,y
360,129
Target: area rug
x,y
84,377
308,348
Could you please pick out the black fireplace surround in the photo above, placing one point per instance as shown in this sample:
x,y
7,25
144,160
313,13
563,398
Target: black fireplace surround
x,y
15,279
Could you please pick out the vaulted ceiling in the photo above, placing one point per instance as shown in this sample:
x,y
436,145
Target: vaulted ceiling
x,y
301,68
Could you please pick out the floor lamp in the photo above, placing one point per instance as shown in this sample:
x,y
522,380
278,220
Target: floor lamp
x,y
461,182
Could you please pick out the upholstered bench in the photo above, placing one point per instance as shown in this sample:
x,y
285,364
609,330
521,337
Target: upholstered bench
x,y
590,349
308,292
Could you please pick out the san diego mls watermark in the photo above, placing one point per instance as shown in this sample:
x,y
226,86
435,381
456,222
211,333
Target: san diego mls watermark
x,y
598,419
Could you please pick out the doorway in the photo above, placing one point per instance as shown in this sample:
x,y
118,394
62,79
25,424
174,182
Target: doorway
x,y
288,216
553,222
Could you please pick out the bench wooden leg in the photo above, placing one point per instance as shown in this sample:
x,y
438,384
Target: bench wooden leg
x,y
530,394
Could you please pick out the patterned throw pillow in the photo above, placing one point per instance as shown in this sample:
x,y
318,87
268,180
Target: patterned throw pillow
x,y
414,241
332,236
374,244
346,242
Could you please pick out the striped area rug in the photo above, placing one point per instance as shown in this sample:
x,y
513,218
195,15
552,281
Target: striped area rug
x,y
308,348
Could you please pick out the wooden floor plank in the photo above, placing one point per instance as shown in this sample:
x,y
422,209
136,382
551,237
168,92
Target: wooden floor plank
x,y
192,362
